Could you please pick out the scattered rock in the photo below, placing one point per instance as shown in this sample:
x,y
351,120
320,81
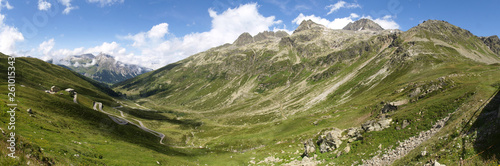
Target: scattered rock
x,y
390,155
30,111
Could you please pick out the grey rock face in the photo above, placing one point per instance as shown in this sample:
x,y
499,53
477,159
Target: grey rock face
x,y
493,42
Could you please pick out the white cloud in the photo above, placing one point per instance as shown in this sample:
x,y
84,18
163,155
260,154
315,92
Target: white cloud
x,y
341,4
385,22
337,23
43,5
105,2
68,5
46,46
5,4
156,51
9,35
158,31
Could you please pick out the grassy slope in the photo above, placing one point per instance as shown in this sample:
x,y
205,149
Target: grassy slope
x,y
60,129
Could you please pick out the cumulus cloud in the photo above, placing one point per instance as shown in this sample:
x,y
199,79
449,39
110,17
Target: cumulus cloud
x,y
105,2
156,51
341,4
337,23
67,4
46,46
9,35
43,5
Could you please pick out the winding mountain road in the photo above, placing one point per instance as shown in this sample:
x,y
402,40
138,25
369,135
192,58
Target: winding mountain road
x,y
121,121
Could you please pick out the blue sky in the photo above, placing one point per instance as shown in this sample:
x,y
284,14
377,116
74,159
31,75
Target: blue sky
x,y
154,33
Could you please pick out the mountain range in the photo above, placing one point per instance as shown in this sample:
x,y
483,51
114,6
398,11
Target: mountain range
x,y
103,68
360,95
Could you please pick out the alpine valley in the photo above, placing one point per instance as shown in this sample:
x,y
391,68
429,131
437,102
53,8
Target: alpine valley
x,y
360,95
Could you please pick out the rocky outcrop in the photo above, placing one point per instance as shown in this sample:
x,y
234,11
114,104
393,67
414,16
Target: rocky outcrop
x,y
493,42
373,125
363,24
309,147
330,140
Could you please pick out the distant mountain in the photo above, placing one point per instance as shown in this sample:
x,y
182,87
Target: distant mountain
x,y
363,24
103,68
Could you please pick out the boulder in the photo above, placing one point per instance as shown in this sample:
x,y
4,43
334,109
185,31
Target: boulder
x,y
373,125
30,111
330,140
353,134
54,89
309,147
416,92
436,163
347,149
388,107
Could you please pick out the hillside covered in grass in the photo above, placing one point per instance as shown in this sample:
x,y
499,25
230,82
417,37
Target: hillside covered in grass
x,y
318,96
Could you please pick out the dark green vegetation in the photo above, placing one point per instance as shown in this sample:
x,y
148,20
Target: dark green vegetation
x,y
238,105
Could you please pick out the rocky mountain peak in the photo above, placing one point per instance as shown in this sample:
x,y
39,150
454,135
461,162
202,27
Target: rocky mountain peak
x,y
439,26
308,24
244,38
363,24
